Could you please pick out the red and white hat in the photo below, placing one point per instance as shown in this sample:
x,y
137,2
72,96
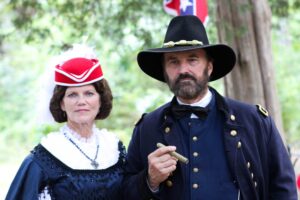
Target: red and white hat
x,y
78,71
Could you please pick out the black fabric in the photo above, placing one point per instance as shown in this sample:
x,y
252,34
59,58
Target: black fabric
x,y
180,111
42,169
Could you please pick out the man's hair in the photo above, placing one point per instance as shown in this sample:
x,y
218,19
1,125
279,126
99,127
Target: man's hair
x,y
101,87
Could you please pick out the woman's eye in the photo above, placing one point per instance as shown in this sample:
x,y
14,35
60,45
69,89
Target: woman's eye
x,y
71,95
89,93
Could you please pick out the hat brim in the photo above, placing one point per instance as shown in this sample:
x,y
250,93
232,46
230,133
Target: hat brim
x,y
151,61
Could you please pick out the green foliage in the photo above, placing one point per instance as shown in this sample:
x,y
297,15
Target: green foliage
x,y
280,7
31,32
286,50
71,20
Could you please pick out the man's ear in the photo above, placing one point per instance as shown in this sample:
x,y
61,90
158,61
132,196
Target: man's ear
x,y
210,67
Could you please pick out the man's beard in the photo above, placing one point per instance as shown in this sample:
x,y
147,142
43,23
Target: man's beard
x,y
190,89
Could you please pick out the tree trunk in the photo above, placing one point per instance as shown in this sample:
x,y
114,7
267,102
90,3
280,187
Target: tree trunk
x,y
246,26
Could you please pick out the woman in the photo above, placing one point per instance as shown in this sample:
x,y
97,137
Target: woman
x,y
79,161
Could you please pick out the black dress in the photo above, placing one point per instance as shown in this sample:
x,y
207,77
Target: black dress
x,y
42,170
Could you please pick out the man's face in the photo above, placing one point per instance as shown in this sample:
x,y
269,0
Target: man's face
x,y
187,74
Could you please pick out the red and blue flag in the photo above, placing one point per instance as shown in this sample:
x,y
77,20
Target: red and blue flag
x,y
187,7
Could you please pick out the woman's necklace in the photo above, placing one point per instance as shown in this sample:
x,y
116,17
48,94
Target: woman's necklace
x,y
94,163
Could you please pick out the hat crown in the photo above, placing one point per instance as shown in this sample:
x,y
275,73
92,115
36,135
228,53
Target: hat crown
x,y
188,27
77,66
78,72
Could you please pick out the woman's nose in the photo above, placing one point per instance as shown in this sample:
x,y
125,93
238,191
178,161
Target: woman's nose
x,y
81,99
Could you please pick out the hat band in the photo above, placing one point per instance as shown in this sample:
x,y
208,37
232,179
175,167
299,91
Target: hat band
x,y
79,78
182,43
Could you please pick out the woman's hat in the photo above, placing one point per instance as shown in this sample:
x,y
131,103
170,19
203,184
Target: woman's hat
x,y
79,67
186,33
78,72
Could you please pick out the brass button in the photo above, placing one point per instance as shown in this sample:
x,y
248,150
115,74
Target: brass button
x,y
189,123
252,175
232,117
195,154
233,133
239,144
195,185
167,129
195,169
248,165
169,183
195,138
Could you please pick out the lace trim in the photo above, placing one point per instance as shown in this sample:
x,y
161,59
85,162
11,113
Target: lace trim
x,y
76,136
45,194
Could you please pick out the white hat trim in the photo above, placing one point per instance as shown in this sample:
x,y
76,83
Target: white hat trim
x,y
78,84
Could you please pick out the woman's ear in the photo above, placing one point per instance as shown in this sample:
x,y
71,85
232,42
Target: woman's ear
x,y
62,106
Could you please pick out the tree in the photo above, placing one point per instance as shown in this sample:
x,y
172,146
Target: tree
x,y
119,29
115,28
246,26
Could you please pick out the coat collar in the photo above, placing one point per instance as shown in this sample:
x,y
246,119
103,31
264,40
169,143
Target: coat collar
x,y
221,105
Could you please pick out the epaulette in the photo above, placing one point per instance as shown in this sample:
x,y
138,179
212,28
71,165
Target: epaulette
x,y
140,120
262,110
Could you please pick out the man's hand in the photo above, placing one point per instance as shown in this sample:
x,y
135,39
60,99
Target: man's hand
x,y
160,165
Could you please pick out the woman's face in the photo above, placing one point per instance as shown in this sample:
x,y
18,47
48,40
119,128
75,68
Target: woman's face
x,y
81,104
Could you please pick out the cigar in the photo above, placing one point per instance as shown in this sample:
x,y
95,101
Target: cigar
x,y
180,157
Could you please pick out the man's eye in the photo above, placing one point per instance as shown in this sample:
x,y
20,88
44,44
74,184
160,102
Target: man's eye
x,y
193,60
173,62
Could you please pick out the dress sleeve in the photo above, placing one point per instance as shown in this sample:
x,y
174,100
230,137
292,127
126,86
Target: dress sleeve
x,y
27,182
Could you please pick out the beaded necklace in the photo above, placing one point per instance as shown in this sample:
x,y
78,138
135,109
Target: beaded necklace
x,y
94,163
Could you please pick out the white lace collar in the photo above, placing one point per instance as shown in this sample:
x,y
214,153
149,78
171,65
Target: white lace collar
x,y
59,146
77,137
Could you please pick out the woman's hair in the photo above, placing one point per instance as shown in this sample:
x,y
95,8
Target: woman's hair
x,y
101,87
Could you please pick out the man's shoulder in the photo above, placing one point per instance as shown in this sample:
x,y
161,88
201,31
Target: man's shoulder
x,y
153,115
246,108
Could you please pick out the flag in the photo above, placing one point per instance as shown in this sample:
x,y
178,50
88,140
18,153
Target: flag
x,y
187,7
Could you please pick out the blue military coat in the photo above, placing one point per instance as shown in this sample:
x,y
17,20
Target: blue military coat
x,y
258,160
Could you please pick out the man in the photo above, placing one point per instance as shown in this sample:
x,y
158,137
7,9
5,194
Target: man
x,y
234,149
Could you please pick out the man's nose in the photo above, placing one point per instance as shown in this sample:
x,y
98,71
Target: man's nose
x,y
184,67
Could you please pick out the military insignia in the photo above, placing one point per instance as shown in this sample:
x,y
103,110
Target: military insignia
x,y
139,120
262,110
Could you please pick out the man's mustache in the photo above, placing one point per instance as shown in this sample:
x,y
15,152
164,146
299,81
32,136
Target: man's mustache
x,y
184,76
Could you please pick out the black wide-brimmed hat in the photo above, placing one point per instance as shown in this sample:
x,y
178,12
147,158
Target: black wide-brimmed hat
x,y
186,33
